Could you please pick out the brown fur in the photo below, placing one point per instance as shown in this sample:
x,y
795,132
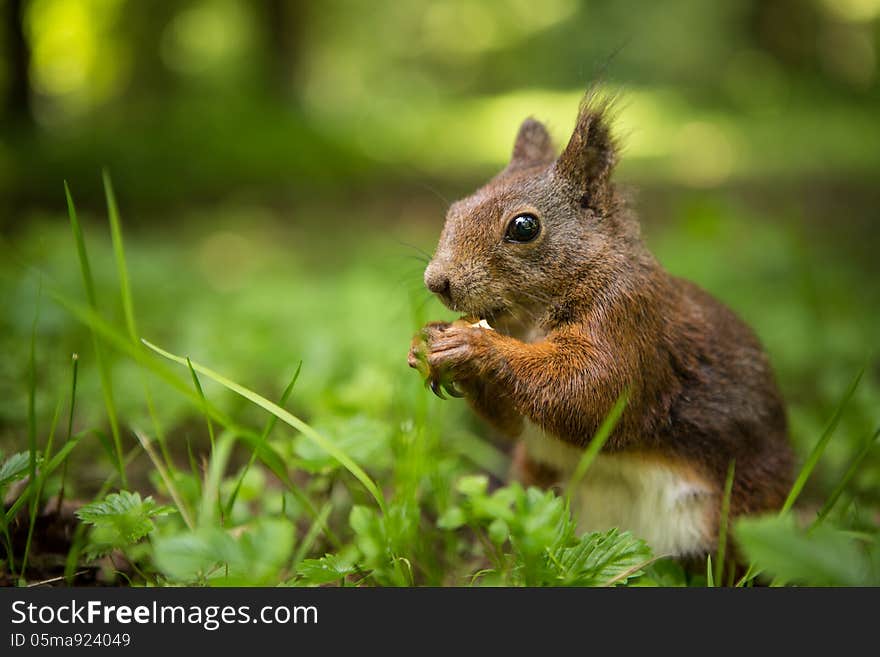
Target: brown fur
x,y
584,312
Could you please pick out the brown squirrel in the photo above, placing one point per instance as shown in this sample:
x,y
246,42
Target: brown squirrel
x,y
550,254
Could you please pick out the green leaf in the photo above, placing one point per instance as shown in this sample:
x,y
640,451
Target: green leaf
x,y
371,535
329,568
254,558
122,518
497,505
664,572
822,557
452,518
499,531
191,556
14,468
375,536
542,520
472,485
600,558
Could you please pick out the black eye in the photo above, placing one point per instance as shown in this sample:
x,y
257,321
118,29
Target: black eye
x,y
523,228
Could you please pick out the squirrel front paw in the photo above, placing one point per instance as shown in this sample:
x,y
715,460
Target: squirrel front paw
x,y
418,356
445,353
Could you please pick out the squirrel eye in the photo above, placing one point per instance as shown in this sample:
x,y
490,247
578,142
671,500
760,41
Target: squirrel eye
x,y
523,228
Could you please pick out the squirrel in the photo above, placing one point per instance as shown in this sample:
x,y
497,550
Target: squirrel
x,y
549,253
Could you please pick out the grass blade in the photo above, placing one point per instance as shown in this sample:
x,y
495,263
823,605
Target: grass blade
x,y
603,433
32,422
204,400
844,481
288,418
266,453
166,479
309,539
32,388
270,424
57,460
634,569
723,522
128,303
821,444
193,467
76,543
38,492
103,369
810,464
214,470
119,253
82,254
75,360
98,324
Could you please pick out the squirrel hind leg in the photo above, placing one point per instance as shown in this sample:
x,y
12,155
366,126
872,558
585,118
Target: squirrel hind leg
x,y
667,502
529,472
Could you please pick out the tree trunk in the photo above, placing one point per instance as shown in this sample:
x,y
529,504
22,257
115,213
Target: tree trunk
x,y
18,93
283,21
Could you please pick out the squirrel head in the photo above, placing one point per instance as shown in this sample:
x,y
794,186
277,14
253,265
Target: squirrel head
x,y
519,245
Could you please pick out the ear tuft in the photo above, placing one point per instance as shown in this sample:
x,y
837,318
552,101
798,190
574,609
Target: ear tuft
x,y
589,158
533,145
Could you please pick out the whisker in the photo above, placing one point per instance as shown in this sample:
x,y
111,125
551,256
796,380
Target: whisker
x,y
418,258
423,302
535,297
415,248
433,190
414,284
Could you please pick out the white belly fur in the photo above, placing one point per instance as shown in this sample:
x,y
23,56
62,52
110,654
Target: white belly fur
x,y
667,506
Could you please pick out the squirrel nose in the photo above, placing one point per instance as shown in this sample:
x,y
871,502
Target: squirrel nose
x,y
437,282
439,285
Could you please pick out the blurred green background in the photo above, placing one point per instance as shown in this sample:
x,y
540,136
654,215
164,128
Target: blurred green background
x,y
282,167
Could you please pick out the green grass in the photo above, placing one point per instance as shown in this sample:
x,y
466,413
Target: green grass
x,y
327,445
724,524
88,283
368,479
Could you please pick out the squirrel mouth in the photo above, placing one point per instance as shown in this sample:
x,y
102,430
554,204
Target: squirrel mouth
x,y
489,314
471,310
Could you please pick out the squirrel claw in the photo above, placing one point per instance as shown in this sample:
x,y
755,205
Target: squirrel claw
x,y
435,388
452,391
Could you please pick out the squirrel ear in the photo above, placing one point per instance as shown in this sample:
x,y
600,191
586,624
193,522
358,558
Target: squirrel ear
x,y
532,146
591,154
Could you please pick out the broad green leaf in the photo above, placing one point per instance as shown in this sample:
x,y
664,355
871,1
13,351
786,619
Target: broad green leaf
x,y
600,558
499,531
125,513
471,485
822,557
327,569
190,556
375,536
14,468
542,520
253,558
371,536
664,572
453,518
